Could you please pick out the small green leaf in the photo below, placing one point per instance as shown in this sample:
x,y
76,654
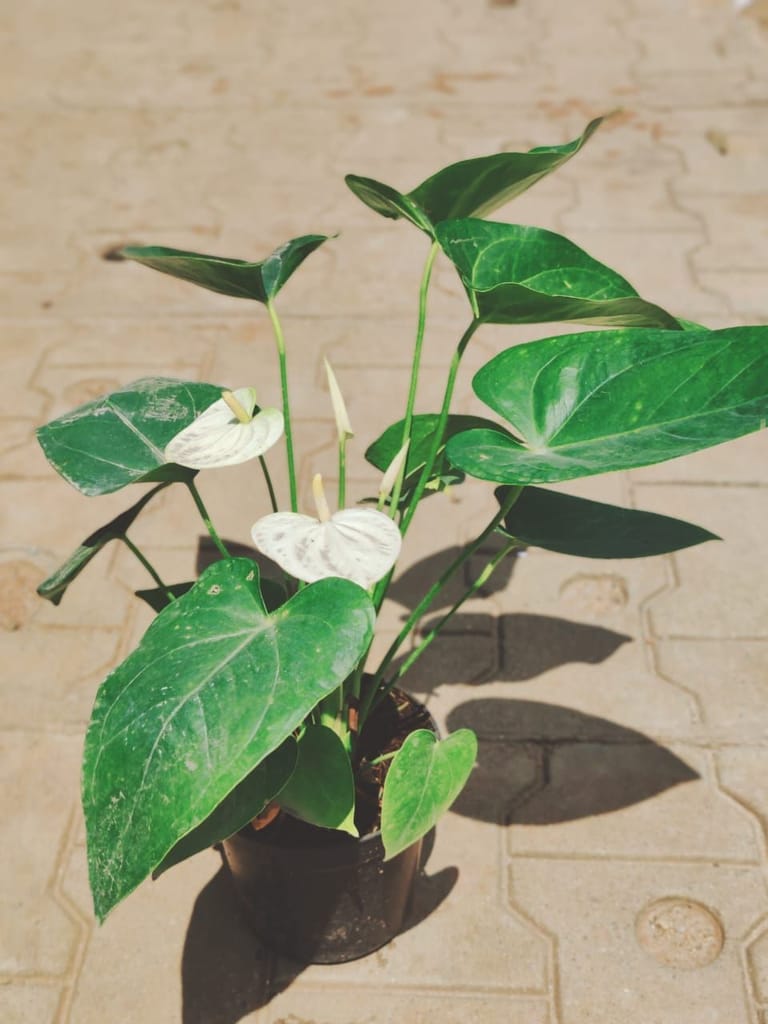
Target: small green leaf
x,y
613,400
322,788
120,439
215,686
468,188
246,800
383,450
54,588
425,777
591,529
239,278
518,275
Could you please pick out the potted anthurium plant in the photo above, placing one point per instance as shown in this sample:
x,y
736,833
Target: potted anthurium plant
x,y
250,714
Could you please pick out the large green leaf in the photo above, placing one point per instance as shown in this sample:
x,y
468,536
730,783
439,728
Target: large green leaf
x,y
591,529
425,777
54,588
118,440
214,687
468,188
246,800
518,275
596,402
322,788
383,450
260,281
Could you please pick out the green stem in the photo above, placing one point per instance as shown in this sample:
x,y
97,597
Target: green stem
x,y
383,585
464,555
481,579
415,367
148,566
342,470
276,327
206,518
437,439
268,480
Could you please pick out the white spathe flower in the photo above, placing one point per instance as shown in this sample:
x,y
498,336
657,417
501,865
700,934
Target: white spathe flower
x,y
357,544
227,433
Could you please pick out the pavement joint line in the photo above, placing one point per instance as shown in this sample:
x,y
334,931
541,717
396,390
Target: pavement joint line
x,y
531,853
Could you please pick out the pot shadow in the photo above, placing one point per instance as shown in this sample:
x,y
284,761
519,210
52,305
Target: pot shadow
x,y
228,973
539,764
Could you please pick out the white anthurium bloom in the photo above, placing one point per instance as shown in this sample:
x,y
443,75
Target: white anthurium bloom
x,y
227,433
357,544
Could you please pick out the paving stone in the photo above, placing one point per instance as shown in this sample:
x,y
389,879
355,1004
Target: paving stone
x,y
714,594
40,785
601,901
597,798
55,676
24,1003
728,680
327,1005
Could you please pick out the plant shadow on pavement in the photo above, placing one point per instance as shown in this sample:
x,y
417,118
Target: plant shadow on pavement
x,y
227,972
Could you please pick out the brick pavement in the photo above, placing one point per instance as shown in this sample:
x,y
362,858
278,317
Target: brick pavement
x,y
621,706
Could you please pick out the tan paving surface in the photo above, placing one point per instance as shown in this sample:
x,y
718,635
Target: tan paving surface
x,y
622,707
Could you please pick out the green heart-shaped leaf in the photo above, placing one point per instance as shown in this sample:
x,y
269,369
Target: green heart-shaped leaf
x,y
120,439
425,777
611,400
239,278
214,687
468,188
591,529
383,450
322,788
246,800
519,275
54,588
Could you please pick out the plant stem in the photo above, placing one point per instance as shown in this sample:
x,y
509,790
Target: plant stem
x,y
481,579
415,367
437,439
268,481
371,697
206,518
276,327
342,470
147,565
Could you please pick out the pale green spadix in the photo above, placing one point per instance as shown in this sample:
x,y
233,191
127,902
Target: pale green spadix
x,y
227,433
357,544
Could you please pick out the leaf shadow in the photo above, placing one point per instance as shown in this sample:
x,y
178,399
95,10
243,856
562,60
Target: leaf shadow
x,y
539,764
410,586
515,647
228,973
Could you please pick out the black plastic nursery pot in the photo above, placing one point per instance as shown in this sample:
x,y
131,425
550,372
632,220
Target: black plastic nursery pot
x,y
319,895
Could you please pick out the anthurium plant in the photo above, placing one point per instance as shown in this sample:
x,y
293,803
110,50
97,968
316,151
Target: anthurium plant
x,y
251,691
